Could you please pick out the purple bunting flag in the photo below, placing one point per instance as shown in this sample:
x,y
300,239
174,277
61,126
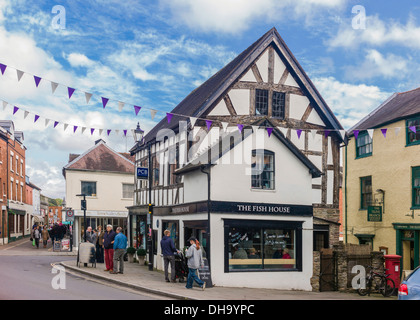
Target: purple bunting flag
x,y
240,127
2,68
356,133
137,109
36,118
71,91
209,123
299,133
108,132
92,130
384,132
55,123
104,101
125,133
15,109
169,116
269,131
413,128
327,133
74,129
37,80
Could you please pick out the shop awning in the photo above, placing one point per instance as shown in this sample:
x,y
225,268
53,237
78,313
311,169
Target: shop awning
x,y
18,212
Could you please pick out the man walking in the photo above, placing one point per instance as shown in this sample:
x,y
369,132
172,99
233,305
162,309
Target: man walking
x,y
168,250
109,237
120,244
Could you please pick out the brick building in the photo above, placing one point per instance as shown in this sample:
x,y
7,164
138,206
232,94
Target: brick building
x,y
15,221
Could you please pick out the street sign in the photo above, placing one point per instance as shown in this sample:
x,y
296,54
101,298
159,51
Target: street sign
x,y
70,215
374,213
142,173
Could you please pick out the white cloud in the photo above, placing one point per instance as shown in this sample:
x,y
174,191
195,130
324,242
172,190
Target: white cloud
x,y
378,65
377,33
79,60
234,16
349,102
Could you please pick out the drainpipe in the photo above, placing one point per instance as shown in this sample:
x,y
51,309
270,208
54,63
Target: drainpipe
x,y
345,195
208,210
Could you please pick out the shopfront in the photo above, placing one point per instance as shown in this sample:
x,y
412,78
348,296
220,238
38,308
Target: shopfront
x,y
137,222
407,244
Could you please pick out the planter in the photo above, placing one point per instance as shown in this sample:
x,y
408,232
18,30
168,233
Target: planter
x,y
130,257
141,260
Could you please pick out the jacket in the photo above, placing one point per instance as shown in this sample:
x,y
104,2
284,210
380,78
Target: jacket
x,y
45,234
100,238
167,245
195,257
108,238
120,241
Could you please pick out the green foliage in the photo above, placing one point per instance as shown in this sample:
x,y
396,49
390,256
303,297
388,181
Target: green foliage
x,y
131,250
141,252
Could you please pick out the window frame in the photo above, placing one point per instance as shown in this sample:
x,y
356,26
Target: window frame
x,y
362,179
408,132
258,102
264,153
414,189
95,195
296,226
282,107
128,184
364,155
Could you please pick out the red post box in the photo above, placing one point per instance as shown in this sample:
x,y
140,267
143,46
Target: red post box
x,y
393,264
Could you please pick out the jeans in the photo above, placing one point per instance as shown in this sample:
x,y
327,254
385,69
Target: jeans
x,y
99,254
166,261
192,276
119,257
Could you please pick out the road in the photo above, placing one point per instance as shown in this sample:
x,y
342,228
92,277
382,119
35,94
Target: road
x,y
27,274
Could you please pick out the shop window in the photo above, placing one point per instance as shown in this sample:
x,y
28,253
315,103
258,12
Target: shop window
x,y
253,246
89,188
365,192
262,170
363,145
173,227
413,138
416,187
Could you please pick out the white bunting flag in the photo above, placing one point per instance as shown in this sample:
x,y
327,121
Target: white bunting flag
x,y
19,74
255,128
4,105
193,121
225,125
25,114
120,105
83,129
370,132
153,113
65,126
100,131
47,121
117,132
283,130
313,132
88,96
343,134
54,86
397,131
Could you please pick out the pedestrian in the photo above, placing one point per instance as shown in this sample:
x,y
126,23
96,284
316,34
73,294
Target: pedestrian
x,y
90,236
108,245
37,236
195,260
99,245
120,245
45,236
168,250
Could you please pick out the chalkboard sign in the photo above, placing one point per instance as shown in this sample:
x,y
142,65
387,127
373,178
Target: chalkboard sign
x,y
57,246
204,274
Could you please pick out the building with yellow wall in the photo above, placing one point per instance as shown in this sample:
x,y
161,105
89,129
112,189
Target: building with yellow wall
x,y
382,179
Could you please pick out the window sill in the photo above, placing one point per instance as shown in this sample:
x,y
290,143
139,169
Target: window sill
x,y
415,208
364,156
263,190
415,143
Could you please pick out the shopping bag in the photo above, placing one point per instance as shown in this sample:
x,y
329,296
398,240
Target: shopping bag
x,y
33,242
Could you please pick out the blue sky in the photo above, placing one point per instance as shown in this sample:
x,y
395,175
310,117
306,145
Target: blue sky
x,y
153,54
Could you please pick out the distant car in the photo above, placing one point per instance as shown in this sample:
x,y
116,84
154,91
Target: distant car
x,y
410,287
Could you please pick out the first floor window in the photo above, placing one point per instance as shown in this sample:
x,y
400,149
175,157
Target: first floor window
x,y
279,102
366,192
413,138
416,187
261,102
262,164
363,145
267,245
128,191
89,188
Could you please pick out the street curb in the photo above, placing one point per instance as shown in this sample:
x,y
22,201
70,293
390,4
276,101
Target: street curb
x,y
128,285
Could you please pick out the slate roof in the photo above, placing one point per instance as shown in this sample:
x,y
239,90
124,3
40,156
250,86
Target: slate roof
x,y
101,158
196,103
399,106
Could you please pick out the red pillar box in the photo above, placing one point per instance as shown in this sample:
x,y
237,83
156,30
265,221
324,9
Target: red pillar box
x,y
393,264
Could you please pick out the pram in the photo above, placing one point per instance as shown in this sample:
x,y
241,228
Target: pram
x,y
181,267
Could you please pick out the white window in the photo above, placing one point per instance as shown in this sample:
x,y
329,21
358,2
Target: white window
x,y
11,162
128,191
17,165
11,190
17,190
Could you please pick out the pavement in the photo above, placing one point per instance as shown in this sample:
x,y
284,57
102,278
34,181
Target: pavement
x,y
139,277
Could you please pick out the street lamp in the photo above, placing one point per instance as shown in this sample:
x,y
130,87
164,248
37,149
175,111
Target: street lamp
x,y
83,207
138,133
